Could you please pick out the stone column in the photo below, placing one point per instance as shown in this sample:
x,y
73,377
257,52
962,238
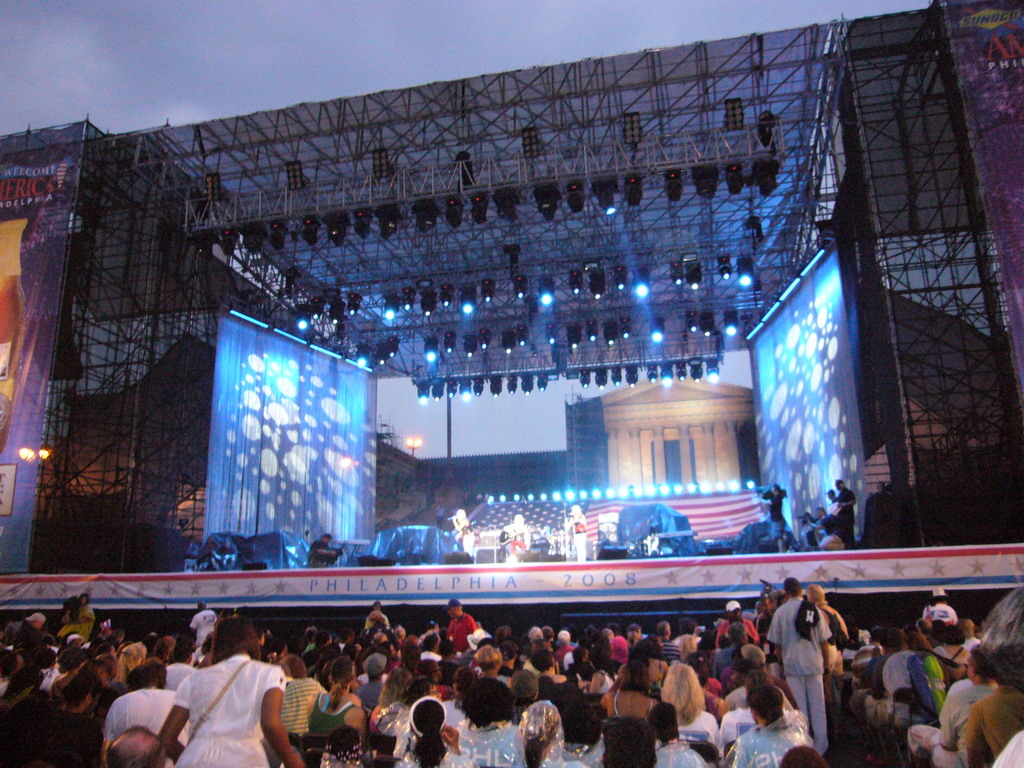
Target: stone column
x,y
727,451
684,455
659,455
646,469
699,455
636,477
709,447
613,458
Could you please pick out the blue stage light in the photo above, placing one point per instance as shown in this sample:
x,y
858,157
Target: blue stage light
x,y
543,497
596,493
677,489
502,498
583,494
570,496
734,485
556,496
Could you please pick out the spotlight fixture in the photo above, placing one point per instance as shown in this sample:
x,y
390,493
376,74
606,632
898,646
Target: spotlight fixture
x,y
573,336
425,212
734,114
495,385
505,201
449,341
296,178
388,216
478,386
428,301
527,382
676,272
552,333
576,281
291,275
469,344
601,378
278,229
575,196
546,296
337,226
694,275
624,326
584,378
634,189
228,240
707,323
452,387
467,300
616,376
696,370
512,384
767,123
487,290
604,190
766,175
705,179
214,190
522,334
532,146
595,276
611,332
632,375
303,316
392,303
437,390
591,328
520,285
364,216
632,130
673,185
712,371
464,163
484,335
408,298
681,371
337,314
364,355
542,381
430,352
734,178
508,341
253,236
745,271
547,197
381,164
730,320
724,267
658,330
453,211
620,277
466,389
691,321
641,284
478,208
354,303
667,376
753,223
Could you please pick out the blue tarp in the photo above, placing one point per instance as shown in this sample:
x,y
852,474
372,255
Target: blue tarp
x,y
413,544
230,551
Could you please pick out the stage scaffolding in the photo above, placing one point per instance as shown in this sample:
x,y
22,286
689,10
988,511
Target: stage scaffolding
x,y
938,390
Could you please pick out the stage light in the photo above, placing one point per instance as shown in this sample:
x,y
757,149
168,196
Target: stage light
x,y
392,346
696,370
707,322
611,332
505,201
547,291
428,301
278,229
478,386
615,374
437,390
694,275
734,485
423,392
522,334
452,388
766,175
310,229
253,237
691,321
681,371
657,330
734,114
512,384
478,208
354,303
734,178
508,341
430,349
408,298
725,267
464,164
290,276
542,381
573,336
620,277
705,179
604,190
449,341
751,485
532,146
591,330
337,313
556,496
624,326
632,375
576,281
667,376
363,355
296,178
753,223
767,123
303,316
495,385
634,189
381,164
552,333
228,240
487,290
453,211
745,271
214,190
447,294
364,216
585,378
575,196
467,300
547,197
730,321
652,373
392,303
485,338
380,353
601,378
712,369
527,383
469,344
596,493
426,212
337,226
641,284
673,185
388,217
676,272
632,130
520,285
543,497
529,497
595,276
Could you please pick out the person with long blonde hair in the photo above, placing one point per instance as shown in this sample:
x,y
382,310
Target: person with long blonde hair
x,y
130,657
682,690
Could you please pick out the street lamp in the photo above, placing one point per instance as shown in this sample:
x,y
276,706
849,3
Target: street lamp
x,y
412,443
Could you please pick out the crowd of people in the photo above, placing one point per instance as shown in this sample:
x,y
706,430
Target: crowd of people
x,y
755,689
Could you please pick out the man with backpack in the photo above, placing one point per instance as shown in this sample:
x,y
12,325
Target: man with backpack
x,y
801,632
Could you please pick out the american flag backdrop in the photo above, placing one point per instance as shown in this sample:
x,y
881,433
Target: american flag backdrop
x,y
711,515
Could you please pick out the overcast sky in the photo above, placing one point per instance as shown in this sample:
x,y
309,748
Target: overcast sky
x,y
134,65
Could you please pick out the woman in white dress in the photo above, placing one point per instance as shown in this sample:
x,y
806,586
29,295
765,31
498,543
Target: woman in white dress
x,y
229,706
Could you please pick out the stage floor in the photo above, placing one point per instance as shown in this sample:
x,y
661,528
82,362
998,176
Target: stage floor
x,y
999,566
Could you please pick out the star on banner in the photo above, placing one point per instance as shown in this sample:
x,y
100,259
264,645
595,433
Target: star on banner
x,y
977,568
223,588
897,569
858,571
709,577
168,589
938,568
745,575
279,587
252,589
195,589
672,577
782,573
820,573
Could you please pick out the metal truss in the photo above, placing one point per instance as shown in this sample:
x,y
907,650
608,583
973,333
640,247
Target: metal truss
x,y
633,116
962,420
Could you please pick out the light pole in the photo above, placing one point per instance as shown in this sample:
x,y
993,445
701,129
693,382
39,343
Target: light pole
x,y
412,443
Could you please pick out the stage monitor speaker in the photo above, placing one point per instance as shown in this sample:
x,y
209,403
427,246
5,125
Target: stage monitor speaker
x,y
371,561
547,557
257,566
613,553
487,555
458,558
529,556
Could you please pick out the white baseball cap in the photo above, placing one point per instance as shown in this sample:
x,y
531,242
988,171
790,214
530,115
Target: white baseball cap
x,y
732,605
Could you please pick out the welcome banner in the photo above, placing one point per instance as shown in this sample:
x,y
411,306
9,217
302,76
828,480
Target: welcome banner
x,y
987,39
38,183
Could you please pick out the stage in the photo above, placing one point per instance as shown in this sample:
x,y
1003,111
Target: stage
x,y
855,572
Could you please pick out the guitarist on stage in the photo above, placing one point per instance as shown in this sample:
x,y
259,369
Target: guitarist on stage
x,y
464,533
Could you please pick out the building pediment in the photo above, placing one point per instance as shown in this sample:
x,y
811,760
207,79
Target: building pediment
x,y
647,394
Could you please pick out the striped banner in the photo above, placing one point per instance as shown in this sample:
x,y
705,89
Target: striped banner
x,y
711,516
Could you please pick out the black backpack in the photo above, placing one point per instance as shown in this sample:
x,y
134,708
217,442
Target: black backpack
x,y
807,618
839,638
